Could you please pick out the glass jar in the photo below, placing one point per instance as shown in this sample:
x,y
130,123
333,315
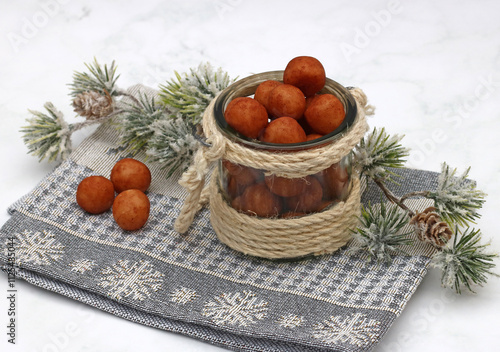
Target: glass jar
x,y
259,193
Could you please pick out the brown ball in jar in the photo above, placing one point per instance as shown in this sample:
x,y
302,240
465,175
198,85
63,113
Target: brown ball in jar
x,y
131,209
291,214
285,187
284,130
306,73
243,175
247,116
325,113
95,194
263,91
130,173
286,100
335,181
308,201
313,136
234,189
259,200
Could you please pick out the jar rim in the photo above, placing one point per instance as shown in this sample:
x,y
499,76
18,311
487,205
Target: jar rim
x,y
247,86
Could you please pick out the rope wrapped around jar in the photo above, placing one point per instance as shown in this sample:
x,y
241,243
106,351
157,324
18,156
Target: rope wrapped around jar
x,y
317,233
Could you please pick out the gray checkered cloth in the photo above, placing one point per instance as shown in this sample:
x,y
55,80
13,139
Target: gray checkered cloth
x,y
195,285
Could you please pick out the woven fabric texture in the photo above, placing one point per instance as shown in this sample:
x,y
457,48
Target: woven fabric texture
x,y
193,284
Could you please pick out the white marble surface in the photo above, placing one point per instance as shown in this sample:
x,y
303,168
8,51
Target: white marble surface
x,y
431,68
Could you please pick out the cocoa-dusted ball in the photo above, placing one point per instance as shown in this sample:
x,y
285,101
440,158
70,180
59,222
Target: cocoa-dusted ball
x,y
95,194
309,200
258,200
263,91
285,187
286,100
243,175
131,209
306,73
292,214
247,116
313,136
130,173
284,130
335,182
325,113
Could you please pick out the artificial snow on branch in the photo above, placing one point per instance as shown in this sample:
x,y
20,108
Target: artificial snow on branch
x,y
379,151
462,258
379,233
190,93
456,199
135,125
464,261
98,79
173,144
47,135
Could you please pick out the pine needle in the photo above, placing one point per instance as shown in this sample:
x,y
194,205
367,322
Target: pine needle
x,y
136,123
379,151
190,93
47,135
456,199
464,261
98,79
380,232
173,144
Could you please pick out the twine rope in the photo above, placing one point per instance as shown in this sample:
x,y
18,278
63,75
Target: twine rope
x,y
316,234
291,165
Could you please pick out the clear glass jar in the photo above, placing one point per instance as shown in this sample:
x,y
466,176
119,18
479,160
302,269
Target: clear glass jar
x,y
249,190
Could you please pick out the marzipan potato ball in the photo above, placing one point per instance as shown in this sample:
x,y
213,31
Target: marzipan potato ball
x,y
284,130
263,90
258,200
131,209
285,187
313,136
247,116
291,214
325,113
286,100
336,181
95,194
305,73
243,175
309,200
129,173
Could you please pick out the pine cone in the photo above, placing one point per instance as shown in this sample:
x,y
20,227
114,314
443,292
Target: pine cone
x,y
93,105
430,227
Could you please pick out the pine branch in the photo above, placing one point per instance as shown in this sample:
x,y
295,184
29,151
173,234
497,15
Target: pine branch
x,y
136,123
191,93
380,232
456,198
172,145
464,261
99,79
379,151
47,135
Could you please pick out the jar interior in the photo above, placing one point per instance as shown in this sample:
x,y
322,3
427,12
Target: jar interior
x,y
247,86
254,192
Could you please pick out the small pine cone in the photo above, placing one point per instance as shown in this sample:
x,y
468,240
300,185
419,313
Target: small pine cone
x,y
93,105
430,228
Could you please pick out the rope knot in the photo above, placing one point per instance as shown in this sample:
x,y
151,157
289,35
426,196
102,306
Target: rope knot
x,y
362,100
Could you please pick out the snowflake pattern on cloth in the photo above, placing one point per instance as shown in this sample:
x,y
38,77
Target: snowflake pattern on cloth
x,y
290,321
237,308
82,265
137,280
182,295
39,248
355,329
